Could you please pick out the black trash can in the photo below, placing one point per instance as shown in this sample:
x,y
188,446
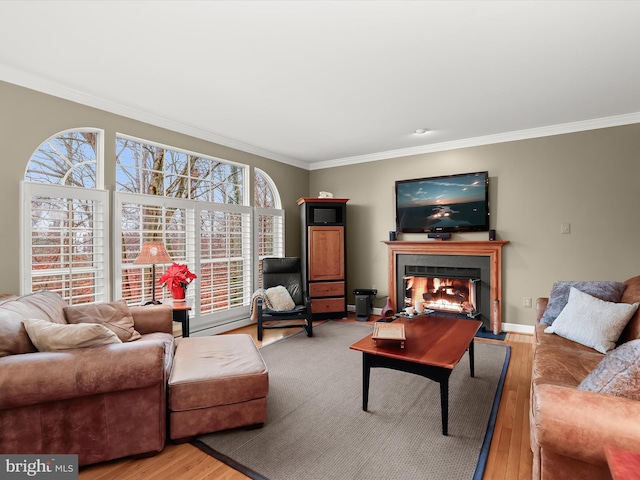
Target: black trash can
x,y
364,303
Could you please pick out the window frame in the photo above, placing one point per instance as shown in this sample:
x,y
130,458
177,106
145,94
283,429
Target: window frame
x,y
277,212
29,190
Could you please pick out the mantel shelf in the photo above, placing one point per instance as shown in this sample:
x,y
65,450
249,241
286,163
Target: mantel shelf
x,y
446,244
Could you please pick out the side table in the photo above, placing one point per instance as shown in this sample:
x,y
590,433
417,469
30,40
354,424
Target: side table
x,y
181,314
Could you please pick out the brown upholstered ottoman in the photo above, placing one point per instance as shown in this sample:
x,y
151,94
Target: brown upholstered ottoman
x,y
217,383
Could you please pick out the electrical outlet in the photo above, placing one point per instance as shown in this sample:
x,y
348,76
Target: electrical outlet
x,y
565,228
527,302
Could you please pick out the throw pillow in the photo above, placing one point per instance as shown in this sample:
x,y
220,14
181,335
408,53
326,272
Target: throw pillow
x,y
608,291
280,298
48,336
591,321
618,373
114,315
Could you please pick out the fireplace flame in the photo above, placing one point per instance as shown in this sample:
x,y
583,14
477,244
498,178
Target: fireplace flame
x,y
443,294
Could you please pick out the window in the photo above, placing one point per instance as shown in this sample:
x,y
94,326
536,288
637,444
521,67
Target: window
x,y
225,257
142,219
155,170
69,158
196,206
65,218
269,220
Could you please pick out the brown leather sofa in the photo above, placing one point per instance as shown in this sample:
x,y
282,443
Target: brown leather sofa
x,y
101,402
570,428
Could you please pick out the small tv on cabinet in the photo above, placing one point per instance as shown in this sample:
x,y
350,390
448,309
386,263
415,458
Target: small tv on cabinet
x,y
451,203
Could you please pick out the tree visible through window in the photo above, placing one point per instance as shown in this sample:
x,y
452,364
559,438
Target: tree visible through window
x,y
197,205
68,218
269,219
67,159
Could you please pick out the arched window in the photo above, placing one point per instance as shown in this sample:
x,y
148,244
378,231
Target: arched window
x,y
266,193
69,158
65,222
269,219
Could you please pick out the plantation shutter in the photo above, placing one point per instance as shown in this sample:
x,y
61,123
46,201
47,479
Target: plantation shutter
x,y
269,227
225,257
65,230
146,218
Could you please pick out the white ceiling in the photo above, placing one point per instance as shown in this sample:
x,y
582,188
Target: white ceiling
x,y
324,83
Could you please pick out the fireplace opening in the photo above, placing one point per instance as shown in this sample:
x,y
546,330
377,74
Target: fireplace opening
x,y
448,290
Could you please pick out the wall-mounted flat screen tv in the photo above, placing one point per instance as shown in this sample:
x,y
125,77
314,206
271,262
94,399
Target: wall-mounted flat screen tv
x,y
452,203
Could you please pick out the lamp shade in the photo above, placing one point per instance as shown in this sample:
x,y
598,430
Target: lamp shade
x,y
152,253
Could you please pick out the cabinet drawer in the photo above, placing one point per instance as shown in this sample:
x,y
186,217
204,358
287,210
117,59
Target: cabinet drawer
x,y
327,305
326,289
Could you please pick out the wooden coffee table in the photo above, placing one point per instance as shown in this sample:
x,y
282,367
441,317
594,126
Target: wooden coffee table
x,y
433,347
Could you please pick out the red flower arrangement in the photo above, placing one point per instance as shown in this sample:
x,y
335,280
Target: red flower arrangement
x,y
177,278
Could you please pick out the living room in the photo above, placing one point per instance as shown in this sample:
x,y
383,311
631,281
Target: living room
x,y
582,171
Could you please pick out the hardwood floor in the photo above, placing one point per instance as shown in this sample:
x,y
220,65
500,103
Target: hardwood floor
x,y
509,456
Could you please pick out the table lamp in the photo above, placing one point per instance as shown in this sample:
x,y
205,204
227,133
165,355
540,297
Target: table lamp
x,y
152,253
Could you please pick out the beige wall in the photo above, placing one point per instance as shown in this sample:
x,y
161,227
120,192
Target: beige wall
x,y
28,118
590,179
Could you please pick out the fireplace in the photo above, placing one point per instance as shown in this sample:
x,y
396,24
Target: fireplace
x,y
446,290
453,285
467,272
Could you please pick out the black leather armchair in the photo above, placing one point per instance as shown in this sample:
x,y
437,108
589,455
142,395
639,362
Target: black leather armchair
x,y
287,272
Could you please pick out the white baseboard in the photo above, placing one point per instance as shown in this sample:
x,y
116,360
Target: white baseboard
x,y
517,328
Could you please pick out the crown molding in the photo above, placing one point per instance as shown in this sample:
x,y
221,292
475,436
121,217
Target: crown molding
x,y
39,84
34,82
548,131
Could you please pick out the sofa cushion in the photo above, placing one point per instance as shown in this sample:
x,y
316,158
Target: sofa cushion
x,y
562,366
49,337
591,321
44,305
114,315
618,373
609,291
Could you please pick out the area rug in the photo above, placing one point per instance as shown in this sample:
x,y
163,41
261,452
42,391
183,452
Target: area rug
x,y
316,428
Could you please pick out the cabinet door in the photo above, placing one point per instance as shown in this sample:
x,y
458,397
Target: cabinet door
x,y
326,253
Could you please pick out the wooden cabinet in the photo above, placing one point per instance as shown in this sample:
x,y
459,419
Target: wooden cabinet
x,y
323,256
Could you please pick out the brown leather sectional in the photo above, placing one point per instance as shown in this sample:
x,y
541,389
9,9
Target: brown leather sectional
x,y
571,428
101,402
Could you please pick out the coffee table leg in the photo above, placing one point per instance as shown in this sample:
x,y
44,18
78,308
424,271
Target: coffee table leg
x,y
366,374
444,404
472,358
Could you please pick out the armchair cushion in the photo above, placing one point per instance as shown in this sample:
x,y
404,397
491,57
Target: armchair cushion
x,y
280,298
49,337
591,321
284,271
618,373
114,315
608,291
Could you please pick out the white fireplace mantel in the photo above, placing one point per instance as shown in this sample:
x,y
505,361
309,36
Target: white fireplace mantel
x,y
491,249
